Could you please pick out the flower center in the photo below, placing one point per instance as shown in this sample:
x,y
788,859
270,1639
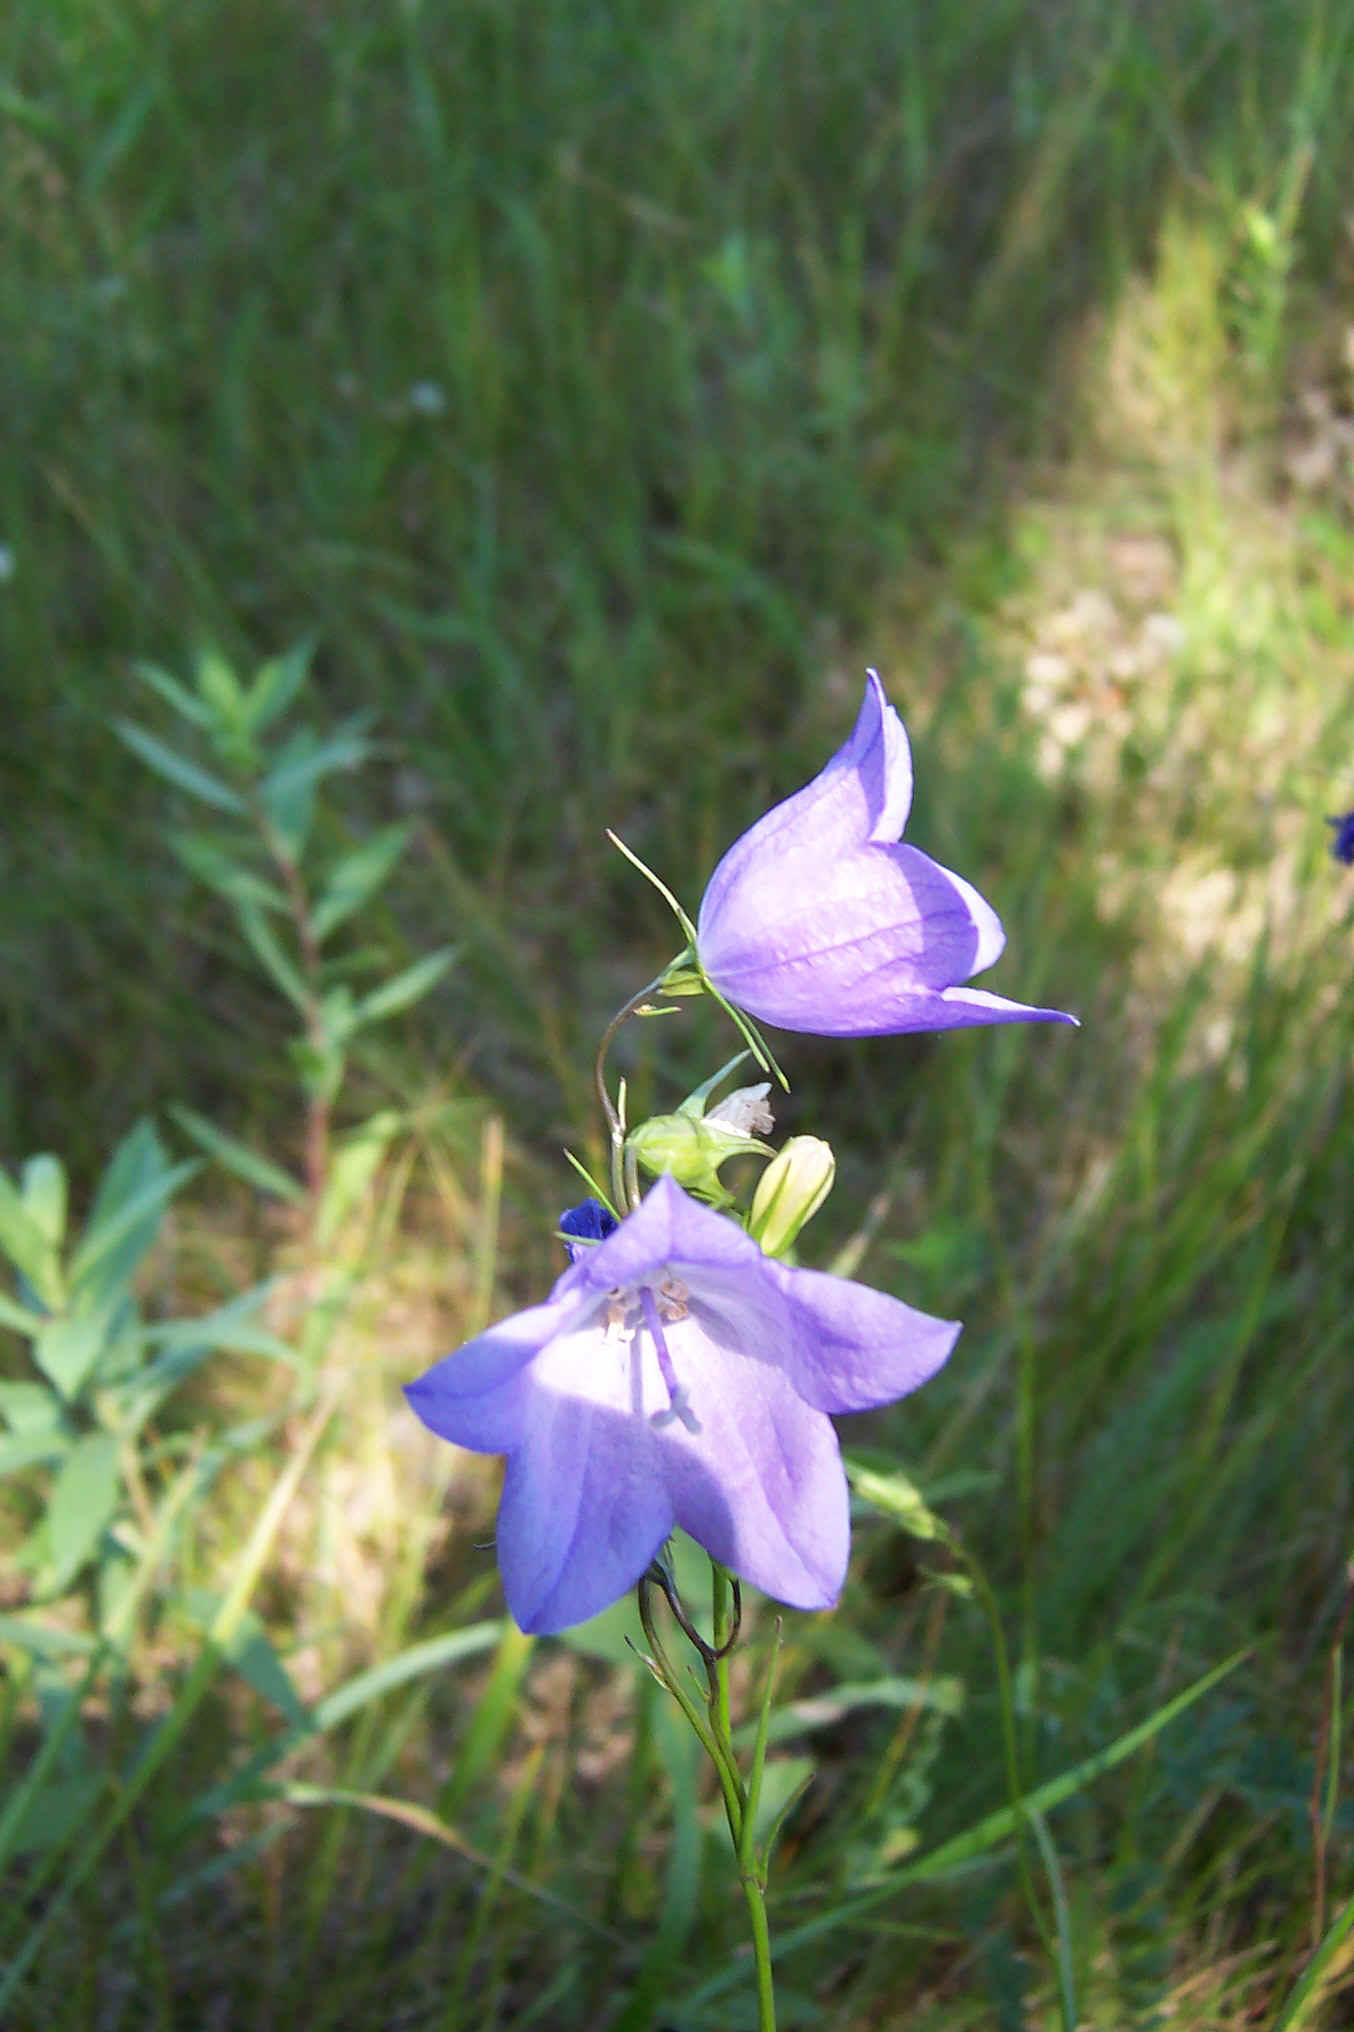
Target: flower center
x,y
657,1307
669,1304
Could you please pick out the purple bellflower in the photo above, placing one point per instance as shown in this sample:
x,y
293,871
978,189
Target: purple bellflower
x,y
675,1376
817,919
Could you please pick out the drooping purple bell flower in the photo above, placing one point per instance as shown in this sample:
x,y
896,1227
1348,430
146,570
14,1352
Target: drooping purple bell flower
x,y
817,919
676,1376
1342,846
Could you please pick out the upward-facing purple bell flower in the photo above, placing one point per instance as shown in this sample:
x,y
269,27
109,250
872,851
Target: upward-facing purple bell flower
x,y
676,1376
817,919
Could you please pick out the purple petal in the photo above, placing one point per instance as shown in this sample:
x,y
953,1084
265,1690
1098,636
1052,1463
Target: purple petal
x,y
668,1227
816,921
855,1348
965,1007
863,794
477,1397
583,1512
871,943
676,1374
760,1485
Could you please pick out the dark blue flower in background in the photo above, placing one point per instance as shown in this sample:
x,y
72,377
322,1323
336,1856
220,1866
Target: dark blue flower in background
x,y
590,1221
1342,846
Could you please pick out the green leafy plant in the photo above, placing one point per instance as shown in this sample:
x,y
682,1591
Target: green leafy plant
x,y
101,1485
264,851
98,1372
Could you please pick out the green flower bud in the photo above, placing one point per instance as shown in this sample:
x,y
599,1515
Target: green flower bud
x,y
790,1192
692,1148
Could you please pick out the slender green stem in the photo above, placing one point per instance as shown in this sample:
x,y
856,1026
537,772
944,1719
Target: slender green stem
x,y
714,1731
318,1104
726,1770
1326,1772
615,1119
722,1624
1010,1750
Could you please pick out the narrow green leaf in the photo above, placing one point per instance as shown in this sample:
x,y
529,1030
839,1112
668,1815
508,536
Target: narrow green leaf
x,y
288,791
44,1640
174,694
219,689
406,988
942,1695
355,1163
30,1407
282,971
247,1164
55,1813
785,1780
304,759
1067,1982
27,1247
67,1350
231,1329
290,810
136,1224
139,1158
184,1345
19,1450
424,1821
278,683
228,877
338,1015
42,1185
18,1317
251,1652
358,876
433,1655
125,1217
1311,1989
84,1502
176,769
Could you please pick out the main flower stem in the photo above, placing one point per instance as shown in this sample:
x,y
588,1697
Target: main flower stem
x,y
751,1867
714,1731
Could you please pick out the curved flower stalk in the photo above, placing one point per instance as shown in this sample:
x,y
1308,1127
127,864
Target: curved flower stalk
x,y
819,920
675,1376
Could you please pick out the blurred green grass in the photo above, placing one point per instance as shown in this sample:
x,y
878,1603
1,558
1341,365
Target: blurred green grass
x,y
606,385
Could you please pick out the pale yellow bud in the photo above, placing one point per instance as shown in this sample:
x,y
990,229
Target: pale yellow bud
x,y
790,1192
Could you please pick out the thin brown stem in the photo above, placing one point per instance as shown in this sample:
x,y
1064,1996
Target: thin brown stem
x,y
318,1108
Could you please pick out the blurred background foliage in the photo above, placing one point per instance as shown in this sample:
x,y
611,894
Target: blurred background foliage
x,y
602,387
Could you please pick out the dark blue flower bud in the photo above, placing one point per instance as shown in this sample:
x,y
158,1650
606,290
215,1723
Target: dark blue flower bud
x,y
590,1222
1342,846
